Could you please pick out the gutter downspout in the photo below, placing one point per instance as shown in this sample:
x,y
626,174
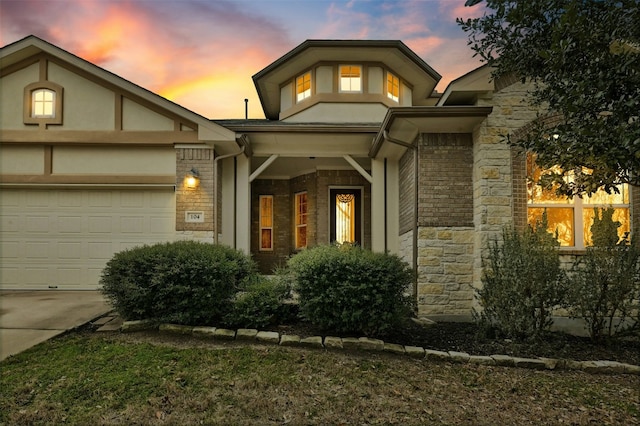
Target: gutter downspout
x,y
215,190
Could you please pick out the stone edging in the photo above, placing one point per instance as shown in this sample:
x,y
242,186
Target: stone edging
x,y
375,345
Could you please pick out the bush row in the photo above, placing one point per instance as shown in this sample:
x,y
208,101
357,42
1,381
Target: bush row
x,y
523,282
341,288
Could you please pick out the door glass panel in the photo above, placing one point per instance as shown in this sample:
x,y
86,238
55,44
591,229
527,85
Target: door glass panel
x,y
345,218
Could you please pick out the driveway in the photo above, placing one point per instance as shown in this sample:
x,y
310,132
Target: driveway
x,y
31,317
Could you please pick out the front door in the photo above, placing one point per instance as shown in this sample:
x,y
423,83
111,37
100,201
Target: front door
x,y
345,209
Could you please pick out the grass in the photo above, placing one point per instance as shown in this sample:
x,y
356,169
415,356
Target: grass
x,y
149,378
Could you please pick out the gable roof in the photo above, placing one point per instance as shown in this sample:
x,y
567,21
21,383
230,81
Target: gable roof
x,y
393,53
14,53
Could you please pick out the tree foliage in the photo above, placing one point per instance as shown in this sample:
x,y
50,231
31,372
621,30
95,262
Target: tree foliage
x,y
583,58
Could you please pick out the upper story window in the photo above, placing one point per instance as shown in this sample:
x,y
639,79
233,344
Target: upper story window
x,y
393,87
42,103
571,218
350,78
303,86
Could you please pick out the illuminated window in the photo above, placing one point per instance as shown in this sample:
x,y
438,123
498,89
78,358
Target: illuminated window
x,y
393,87
301,212
350,78
43,103
303,86
266,222
571,218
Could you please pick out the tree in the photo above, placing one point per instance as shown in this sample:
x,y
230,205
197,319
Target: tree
x,y
583,58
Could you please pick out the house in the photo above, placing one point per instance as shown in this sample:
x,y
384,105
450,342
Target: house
x,y
356,147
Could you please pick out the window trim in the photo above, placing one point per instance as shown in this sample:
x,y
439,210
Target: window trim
x,y
29,116
261,226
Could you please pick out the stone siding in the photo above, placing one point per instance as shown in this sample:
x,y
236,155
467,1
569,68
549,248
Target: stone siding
x,y
494,190
445,270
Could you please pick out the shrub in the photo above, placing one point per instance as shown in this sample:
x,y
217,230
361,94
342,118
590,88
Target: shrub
x,y
522,282
349,289
605,282
183,282
261,304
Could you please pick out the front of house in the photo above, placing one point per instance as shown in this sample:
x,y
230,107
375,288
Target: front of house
x,y
356,147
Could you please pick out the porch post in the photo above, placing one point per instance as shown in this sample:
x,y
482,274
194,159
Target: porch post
x,y
384,205
236,207
377,205
243,204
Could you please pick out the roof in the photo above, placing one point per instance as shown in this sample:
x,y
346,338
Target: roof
x,y
29,46
393,53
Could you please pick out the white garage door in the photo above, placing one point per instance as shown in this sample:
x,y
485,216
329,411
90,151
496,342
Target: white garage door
x,y
63,238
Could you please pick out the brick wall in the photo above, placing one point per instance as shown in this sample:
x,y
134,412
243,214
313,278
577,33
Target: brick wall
x,y
196,199
282,212
407,191
445,188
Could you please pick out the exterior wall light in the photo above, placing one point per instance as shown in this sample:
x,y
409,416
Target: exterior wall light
x,y
192,178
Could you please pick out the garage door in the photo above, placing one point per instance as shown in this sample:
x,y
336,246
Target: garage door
x,y
63,238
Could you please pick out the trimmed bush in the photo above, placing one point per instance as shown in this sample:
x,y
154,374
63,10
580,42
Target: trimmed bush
x,y
349,289
522,282
261,304
605,282
184,282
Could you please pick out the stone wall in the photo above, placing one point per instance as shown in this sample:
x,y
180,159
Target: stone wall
x,y
445,271
493,167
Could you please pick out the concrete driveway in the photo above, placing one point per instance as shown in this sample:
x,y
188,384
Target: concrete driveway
x,y
31,317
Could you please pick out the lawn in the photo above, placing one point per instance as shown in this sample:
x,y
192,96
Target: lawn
x,y
149,378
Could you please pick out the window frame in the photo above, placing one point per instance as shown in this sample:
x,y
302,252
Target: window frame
x,y
351,79
29,116
300,224
577,204
301,96
394,79
261,226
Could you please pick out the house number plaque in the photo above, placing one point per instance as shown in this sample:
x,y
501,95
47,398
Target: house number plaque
x,y
194,217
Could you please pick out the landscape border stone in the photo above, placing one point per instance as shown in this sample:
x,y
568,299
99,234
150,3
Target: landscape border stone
x,y
368,345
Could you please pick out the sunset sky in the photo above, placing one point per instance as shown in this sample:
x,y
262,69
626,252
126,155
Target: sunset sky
x,y
201,54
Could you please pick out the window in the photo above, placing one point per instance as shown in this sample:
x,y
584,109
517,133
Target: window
x,y
350,78
344,215
266,222
571,218
393,87
303,86
301,212
42,103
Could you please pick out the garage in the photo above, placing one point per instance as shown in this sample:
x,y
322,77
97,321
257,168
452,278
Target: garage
x,y
62,238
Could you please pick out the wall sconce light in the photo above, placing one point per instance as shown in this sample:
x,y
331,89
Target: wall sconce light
x,y
192,178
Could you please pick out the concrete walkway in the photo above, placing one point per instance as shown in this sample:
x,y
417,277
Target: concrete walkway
x,y
31,317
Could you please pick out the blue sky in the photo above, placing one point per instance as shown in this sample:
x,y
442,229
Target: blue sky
x,y
202,53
